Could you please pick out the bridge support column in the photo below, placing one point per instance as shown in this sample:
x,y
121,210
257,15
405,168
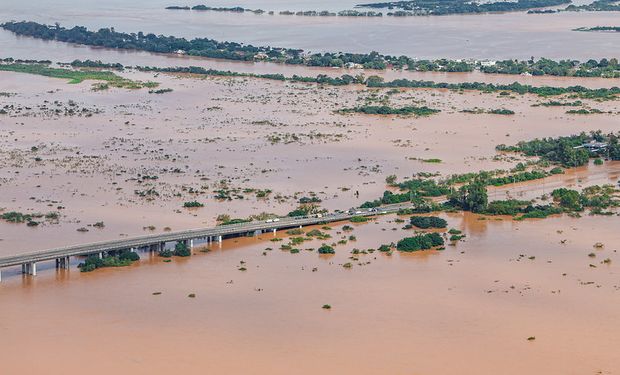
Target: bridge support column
x,y
219,239
191,244
62,263
274,231
100,255
30,268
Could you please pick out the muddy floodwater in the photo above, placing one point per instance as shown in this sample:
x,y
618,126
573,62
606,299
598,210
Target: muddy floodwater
x,y
476,304
489,36
533,296
511,297
130,159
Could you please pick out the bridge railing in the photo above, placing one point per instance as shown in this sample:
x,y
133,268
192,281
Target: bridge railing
x,y
227,229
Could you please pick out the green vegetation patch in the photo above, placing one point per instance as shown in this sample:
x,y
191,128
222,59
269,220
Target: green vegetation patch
x,y
123,259
420,242
425,222
387,110
76,76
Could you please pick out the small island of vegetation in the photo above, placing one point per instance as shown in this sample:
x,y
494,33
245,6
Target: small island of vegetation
x,y
387,110
205,47
443,7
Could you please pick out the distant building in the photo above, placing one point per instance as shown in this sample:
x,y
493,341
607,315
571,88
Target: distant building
x,y
352,65
594,146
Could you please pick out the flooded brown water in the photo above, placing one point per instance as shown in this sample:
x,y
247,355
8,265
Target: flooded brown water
x,y
468,309
489,36
91,166
475,304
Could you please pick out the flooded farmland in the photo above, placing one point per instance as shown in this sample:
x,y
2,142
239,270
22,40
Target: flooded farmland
x,y
532,290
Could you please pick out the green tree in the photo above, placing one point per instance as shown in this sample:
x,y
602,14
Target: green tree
x,y
472,197
181,249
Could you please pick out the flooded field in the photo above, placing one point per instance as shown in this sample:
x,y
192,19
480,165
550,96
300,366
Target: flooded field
x,y
512,296
133,158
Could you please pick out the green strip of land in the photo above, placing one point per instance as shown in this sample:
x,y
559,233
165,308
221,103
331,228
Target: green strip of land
x,y
77,76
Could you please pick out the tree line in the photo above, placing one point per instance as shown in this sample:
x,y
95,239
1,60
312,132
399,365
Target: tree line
x,y
110,38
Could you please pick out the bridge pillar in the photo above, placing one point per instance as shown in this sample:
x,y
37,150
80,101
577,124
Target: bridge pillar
x,y
100,255
0,275
62,263
191,244
30,268
219,239
274,231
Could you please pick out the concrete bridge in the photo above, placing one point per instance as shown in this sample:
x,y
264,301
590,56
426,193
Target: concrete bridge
x,y
156,242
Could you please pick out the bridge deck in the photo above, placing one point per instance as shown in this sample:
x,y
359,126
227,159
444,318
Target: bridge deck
x,y
148,240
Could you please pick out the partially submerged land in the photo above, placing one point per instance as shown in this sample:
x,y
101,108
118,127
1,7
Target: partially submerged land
x,y
599,28
514,219
424,7
403,8
205,47
437,7
287,117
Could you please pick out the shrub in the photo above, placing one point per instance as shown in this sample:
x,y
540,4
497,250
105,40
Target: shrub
x,y
420,242
385,248
505,207
425,222
182,250
359,219
326,249
129,255
193,204
93,262
567,198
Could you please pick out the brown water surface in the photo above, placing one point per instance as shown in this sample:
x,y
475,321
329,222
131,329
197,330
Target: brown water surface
x,y
468,309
